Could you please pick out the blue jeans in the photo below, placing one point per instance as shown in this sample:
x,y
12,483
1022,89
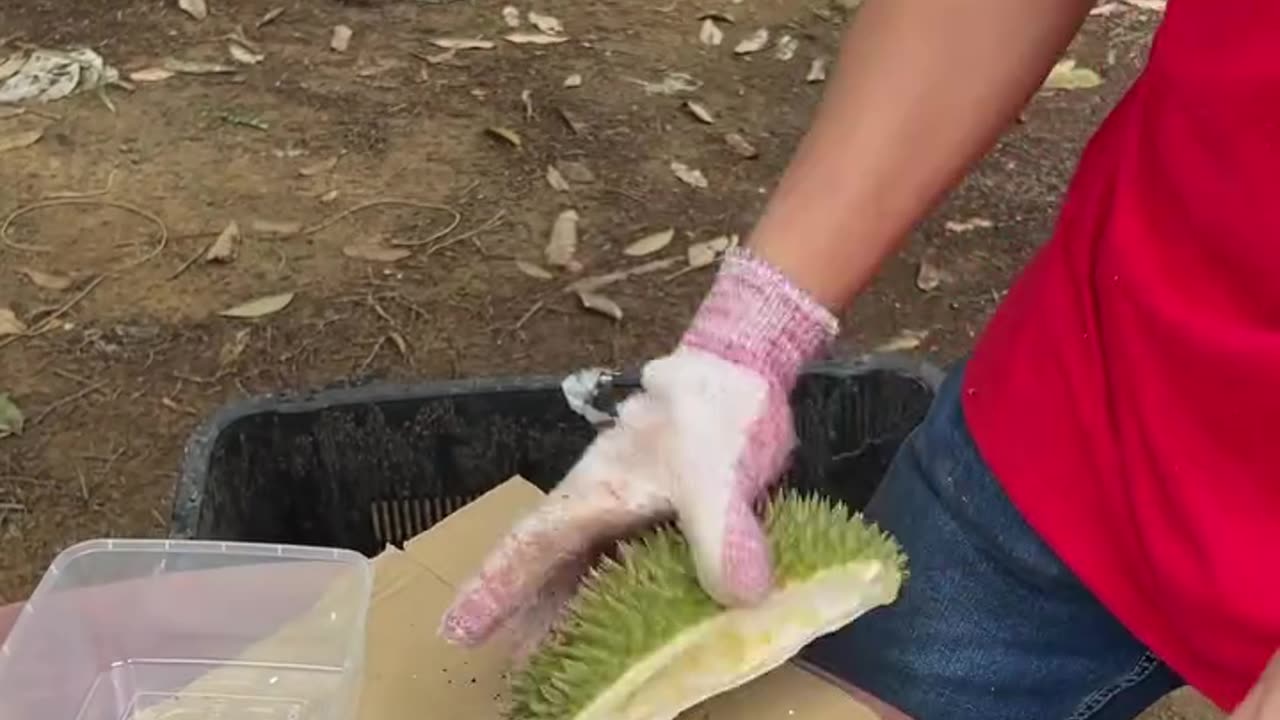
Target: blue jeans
x,y
990,625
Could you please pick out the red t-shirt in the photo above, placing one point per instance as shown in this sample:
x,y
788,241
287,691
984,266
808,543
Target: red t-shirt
x,y
1127,392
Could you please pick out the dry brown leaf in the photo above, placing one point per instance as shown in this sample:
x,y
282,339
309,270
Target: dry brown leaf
x,y
375,250
152,74
573,122
226,247
507,134
1106,9
1152,5
244,55
673,83
710,33
650,244
545,23
786,48
700,255
10,324
973,223
329,196
755,42
595,282
197,67
234,347
318,168
20,139
817,71
195,8
699,111
905,340
526,98
534,38
596,302
929,276
556,180
463,44
340,40
1066,75
741,145
688,175
259,307
269,17
575,171
511,16
48,281
564,239
534,270
573,81
275,228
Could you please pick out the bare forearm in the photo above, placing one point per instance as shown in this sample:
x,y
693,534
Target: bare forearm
x,y
922,89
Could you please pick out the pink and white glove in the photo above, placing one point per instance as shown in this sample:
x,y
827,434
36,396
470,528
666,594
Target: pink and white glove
x,y
710,432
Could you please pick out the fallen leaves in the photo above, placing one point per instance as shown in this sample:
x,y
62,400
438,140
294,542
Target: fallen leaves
x,y
244,55
227,245
1066,75
375,249
753,43
259,307
929,276
598,303
11,417
463,43
699,111
573,81
275,228
511,16
689,176
1106,9
10,324
546,23
534,38
340,39
195,8
269,17
741,146
710,34
702,254
556,179
20,139
905,340
650,244
511,137
817,71
672,83
563,243
151,74
786,48
1152,5
969,225
48,281
534,270
197,67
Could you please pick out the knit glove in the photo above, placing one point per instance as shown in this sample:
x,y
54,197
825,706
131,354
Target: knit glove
x,y
709,433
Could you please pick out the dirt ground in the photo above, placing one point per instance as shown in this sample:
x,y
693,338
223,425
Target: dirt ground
x,y
126,351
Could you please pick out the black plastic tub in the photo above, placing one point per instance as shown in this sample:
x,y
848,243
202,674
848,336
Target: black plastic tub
x,y
362,467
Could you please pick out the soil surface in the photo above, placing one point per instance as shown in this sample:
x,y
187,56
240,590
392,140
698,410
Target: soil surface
x,y
127,351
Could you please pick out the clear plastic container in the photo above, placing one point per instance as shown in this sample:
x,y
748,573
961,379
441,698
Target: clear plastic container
x,y
190,630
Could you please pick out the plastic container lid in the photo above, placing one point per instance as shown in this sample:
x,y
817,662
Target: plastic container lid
x,y
190,630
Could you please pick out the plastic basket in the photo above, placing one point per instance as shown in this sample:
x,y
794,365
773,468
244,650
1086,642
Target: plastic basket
x,y
363,467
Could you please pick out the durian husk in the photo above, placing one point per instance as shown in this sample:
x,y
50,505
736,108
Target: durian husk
x,y
641,639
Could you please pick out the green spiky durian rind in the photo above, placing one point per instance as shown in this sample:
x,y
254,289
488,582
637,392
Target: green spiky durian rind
x,y
627,609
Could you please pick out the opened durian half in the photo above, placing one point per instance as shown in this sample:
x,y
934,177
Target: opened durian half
x,y
642,640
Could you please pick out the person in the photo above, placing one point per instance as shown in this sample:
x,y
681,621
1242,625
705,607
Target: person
x,y
1090,508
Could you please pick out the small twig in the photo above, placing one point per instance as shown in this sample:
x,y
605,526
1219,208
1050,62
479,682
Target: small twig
x,y
372,354
66,401
47,324
453,223
69,195
186,265
528,315
161,242
489,224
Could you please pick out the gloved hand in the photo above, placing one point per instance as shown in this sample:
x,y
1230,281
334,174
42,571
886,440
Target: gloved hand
x,y
711,430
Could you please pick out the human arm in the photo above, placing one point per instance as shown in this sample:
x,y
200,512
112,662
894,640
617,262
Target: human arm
x,y
1263,701
922,90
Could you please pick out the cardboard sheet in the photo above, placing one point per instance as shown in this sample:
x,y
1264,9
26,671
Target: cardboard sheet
x,y
411,674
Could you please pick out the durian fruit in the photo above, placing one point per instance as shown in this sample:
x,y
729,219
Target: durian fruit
x,y
641,639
